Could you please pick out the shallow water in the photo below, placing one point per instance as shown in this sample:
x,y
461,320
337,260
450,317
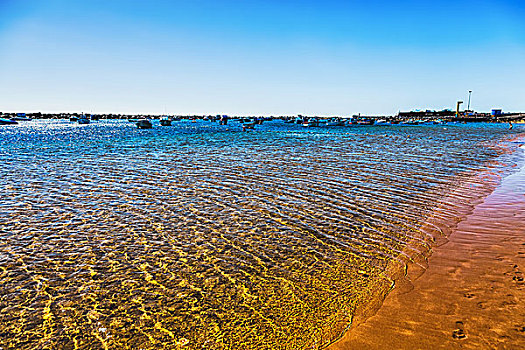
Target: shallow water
x,y
469,297
200,236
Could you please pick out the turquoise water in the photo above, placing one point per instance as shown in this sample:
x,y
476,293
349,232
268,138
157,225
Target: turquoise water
x,y
201,236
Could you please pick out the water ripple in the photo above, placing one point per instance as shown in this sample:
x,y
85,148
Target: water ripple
x,y
204,237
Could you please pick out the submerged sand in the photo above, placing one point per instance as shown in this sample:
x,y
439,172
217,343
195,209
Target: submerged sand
x,y
472,295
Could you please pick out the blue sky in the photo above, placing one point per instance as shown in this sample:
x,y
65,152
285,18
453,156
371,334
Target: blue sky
x,y
260,57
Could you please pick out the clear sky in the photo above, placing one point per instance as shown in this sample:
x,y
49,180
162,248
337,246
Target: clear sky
x,y
260,57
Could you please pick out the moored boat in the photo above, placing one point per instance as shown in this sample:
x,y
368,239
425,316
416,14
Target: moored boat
x,y
311,123
382,122
144,124
4,121
335,122
165,121
408,122
365,122
84,119
250,125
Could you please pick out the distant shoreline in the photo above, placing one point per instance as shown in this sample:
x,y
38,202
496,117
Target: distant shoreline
x,y
447,116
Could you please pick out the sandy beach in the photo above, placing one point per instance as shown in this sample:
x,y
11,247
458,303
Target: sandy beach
x,y
471,296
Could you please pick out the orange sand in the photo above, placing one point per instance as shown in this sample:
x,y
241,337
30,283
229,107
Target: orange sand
x,y
472,296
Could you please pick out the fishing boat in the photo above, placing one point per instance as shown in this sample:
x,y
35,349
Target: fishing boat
x,y
335,122
311,123
382,122
144,124
4,121
73,118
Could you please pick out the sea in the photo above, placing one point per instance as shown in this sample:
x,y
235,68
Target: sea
x,y
202,236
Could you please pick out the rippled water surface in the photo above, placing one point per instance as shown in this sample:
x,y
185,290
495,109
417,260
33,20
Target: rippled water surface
x,y
200,236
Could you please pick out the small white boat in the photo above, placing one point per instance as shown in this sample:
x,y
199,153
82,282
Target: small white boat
x,y
311,123
144,124
382,122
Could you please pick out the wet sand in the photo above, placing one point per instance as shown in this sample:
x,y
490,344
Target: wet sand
x,y
472,295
